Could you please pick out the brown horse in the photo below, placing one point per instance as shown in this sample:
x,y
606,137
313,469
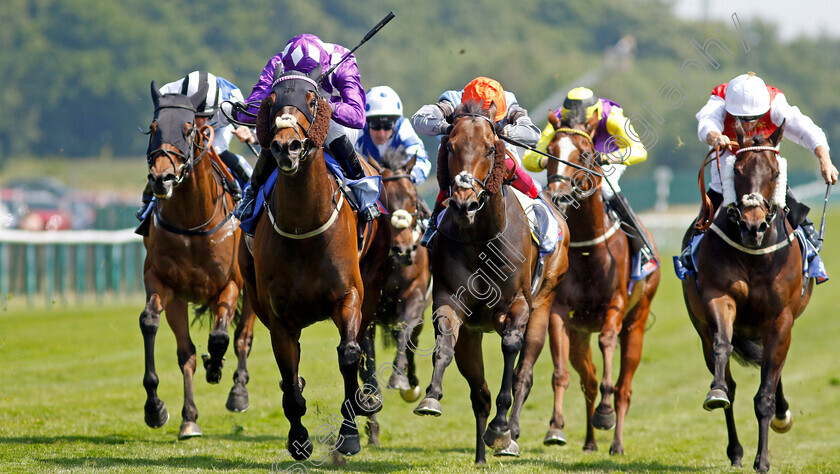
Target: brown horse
x,y
483,265
191,256
306,265
748,291
594,295
407,281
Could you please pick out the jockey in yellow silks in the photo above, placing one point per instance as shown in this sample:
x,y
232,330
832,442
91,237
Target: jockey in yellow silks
x,y
618,145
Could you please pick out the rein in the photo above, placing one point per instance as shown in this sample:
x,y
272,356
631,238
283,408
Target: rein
x,y
704,221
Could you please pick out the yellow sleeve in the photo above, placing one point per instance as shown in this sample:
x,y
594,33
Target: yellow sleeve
x,y
534,161
630,149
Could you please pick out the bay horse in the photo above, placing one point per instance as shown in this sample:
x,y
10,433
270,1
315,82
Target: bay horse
x,y
483,262
306,264
191,256
593,297
748,291
407,281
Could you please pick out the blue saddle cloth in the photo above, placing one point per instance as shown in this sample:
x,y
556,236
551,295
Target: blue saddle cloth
x,y
366,191
685,264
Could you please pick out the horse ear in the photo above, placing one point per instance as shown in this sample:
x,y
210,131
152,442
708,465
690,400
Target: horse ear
x,y
491,111
591,124
200,96
776,137
409,165
552,119
156,95
739,133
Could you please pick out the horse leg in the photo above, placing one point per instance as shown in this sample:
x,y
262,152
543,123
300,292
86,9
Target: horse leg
x,y
409,315
632,336
223,309
559,346
470,362
498,435
523,376
721,314
783,420
286,346
447,325
348,318
178,319
604,418
243,338
776,344
580,356
367,372
155,413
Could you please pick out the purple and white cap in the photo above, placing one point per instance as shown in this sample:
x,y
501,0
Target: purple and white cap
x,y
303,53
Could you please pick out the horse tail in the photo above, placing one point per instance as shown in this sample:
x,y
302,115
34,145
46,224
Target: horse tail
x,y
199,311
747,352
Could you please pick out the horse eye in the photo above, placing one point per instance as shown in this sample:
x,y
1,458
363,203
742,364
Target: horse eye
x,y
491,151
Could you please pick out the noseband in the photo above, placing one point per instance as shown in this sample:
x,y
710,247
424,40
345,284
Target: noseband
x,y
465,179
771,210
189,160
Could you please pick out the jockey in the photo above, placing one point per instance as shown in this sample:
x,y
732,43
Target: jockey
x,y
387,128
618,145
761,109
305,53
218,89
435,119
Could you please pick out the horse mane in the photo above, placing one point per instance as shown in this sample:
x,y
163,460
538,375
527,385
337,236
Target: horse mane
x,y
394,158
443,164
317,132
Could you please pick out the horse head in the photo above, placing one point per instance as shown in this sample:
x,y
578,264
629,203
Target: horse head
x,y
172,137
293,121
395,169
472,162
572,143
755,175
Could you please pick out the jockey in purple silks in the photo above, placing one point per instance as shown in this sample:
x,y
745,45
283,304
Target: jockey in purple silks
x,y
304,53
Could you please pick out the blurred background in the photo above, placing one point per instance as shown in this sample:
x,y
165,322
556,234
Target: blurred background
x,y
76,77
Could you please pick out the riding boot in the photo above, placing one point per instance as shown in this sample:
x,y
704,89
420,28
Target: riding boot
x,y
347,157
619,204
147,201
241,170
797,216
262,170
429,233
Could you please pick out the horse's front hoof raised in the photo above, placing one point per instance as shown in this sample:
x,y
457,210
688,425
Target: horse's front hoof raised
x,y
782,425
512,450
555,437
429,406
497,440
189,429
716,399
411,395
603,419
155,414
237,401
398,382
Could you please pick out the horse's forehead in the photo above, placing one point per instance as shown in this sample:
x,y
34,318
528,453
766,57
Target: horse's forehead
x,y
565,148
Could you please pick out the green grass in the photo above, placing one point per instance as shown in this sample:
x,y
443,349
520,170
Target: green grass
x,y
71,398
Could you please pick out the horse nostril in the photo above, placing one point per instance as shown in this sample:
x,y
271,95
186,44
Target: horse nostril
x,y
295,146
473,206
275,147
169,177
762,227
743,226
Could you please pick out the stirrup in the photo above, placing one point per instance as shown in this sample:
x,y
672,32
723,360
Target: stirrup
x,y
369,213
245,208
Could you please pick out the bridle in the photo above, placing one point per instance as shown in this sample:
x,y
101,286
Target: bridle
x,y
573,181
188,159
771,210
303,142
465,179
401,215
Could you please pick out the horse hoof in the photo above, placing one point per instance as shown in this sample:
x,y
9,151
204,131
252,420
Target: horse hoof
x,y
237,401
155,418
213,373
603,419
497,440
429,406
411,395
350,445
189,429
398,382
555,437
512,450
372,431
616,449
716,399
782,425
300,450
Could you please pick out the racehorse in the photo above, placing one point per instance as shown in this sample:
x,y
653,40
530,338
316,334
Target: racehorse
x,y
191,256
306,264
748,291
407,282
594,296
483,262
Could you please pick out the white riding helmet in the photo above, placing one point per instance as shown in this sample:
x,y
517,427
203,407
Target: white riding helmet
x,y
382,100
747,96
193,81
